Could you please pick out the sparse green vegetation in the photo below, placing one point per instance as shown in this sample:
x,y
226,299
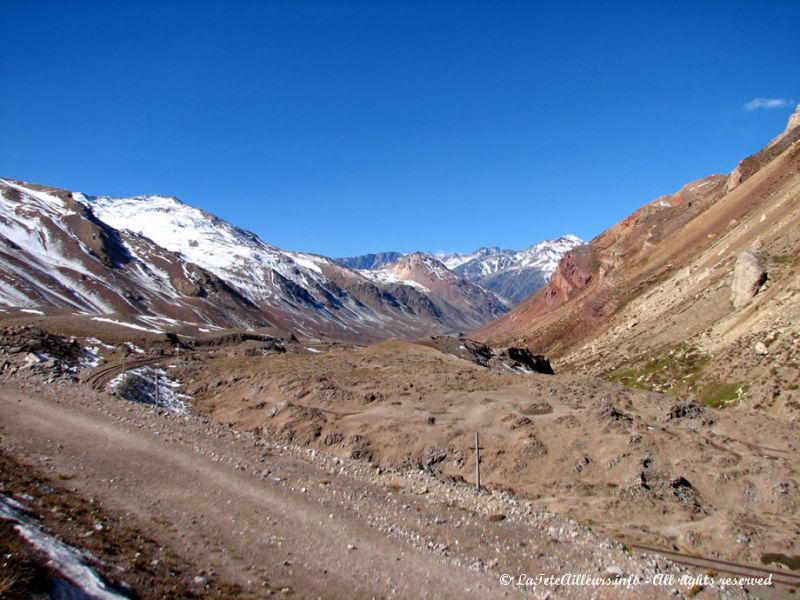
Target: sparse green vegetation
x,y
793,562
678,370
674,369
718,394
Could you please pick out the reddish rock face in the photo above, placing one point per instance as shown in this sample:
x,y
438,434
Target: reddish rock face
x,y
593,279
575,271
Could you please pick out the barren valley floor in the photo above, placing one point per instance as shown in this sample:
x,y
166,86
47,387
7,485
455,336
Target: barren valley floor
x,y
245,515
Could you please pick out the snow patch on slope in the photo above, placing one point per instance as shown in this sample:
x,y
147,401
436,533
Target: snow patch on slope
x,y
151,386
388,276
68,561
126,324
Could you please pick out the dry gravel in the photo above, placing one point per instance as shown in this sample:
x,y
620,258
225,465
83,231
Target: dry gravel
x,y
279,518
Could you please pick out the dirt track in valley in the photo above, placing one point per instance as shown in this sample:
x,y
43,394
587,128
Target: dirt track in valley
x,y
247,528
273,517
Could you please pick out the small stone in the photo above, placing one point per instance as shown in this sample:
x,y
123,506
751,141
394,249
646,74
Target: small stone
x,y
615,571
761,348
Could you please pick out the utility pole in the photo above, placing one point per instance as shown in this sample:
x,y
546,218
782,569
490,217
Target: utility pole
x,y
477,463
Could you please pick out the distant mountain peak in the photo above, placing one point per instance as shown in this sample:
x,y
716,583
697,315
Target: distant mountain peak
x,y
510,274
513,274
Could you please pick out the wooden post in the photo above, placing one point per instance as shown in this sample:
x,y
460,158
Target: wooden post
x,y
155,376
477,463
123,371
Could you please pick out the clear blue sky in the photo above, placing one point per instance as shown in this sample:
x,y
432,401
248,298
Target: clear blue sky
x,y
343,127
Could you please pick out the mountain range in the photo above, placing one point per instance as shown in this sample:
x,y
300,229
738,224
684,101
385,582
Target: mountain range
x,y
155,255
695,293
511,274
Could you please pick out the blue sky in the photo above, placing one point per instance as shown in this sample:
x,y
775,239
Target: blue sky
x,y
348,127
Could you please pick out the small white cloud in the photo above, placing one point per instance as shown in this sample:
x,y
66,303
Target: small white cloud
x,y
766,103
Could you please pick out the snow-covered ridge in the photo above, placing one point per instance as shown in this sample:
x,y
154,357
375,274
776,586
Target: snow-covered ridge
x,y
205,240
259,270
544,256
37,227
453,260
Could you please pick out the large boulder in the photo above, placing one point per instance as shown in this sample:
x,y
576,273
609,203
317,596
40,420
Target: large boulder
x,y
749,275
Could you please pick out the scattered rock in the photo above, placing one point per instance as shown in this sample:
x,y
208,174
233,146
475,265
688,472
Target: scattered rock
x,y
435,456
680,482
684,411
749,275
609,412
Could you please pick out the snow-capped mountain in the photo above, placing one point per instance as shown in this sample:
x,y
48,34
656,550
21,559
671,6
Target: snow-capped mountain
x,y
513,274
155,255
55,251
431,276
487,261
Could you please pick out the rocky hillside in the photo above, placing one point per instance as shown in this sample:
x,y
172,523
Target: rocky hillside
x,y
427,274
155,255
695,293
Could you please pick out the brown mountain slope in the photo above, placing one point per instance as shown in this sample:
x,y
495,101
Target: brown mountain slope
x,y
649,301
474,302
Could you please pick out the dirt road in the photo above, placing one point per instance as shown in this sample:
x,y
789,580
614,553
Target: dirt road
x,y
273,517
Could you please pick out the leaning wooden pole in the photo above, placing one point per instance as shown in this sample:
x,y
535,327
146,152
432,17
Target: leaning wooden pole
x,y
477,463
